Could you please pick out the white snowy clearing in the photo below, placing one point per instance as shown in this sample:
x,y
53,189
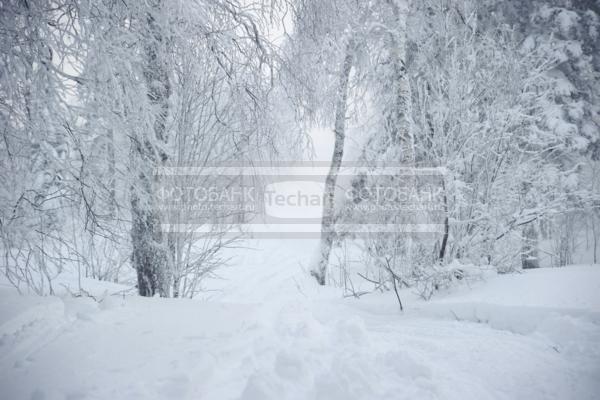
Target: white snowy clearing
x,y
267,331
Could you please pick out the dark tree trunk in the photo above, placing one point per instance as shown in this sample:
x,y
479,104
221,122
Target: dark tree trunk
x,y
529,251
446,227
150,250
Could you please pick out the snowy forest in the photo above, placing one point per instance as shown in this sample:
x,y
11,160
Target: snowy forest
x,y
299,199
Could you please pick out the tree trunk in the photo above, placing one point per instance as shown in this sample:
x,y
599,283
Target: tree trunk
x,y
595,236
327,222
398,119
150,251
446,226
112,176
529,251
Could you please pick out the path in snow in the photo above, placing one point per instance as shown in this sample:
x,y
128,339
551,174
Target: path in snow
x,y
269,333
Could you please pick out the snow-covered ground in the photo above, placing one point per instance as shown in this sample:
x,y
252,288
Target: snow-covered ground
x,y
266,331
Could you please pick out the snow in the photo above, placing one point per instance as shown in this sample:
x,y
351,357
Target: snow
x,y
565,19
266,331
577,287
